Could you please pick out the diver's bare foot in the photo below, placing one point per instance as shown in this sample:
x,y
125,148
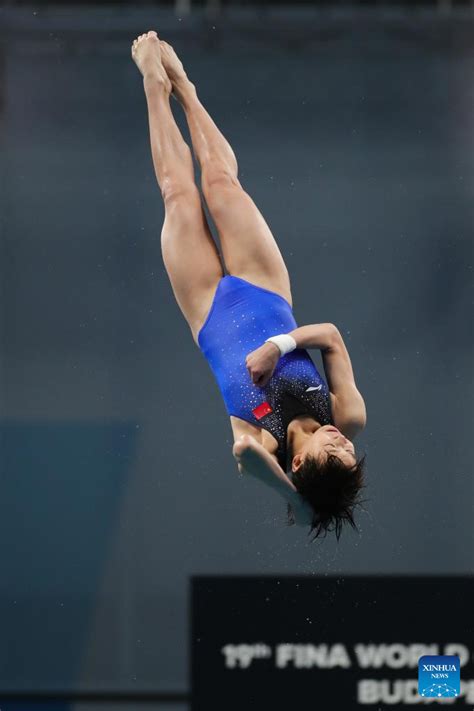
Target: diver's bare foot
x,y
175,71
146,53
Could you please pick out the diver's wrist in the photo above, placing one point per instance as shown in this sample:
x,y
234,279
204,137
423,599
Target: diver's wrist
x,y
284,342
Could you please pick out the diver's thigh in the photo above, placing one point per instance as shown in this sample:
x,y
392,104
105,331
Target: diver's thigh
x,y
248,246
191,258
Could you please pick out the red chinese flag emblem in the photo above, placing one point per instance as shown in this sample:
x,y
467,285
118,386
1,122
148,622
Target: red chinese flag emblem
x,y
262,410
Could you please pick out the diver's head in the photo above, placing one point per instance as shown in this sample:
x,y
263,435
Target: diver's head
x,y
329,477
324,441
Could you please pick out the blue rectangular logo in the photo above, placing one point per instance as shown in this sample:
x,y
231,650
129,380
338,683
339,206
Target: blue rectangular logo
x,y
439,676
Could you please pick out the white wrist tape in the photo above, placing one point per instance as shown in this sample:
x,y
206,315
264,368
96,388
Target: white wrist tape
x,y
284,341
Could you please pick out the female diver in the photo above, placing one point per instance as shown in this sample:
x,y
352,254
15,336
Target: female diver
x,y
283,415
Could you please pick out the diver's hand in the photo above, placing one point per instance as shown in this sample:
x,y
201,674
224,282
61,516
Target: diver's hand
x,y
240,450
261,363
254,460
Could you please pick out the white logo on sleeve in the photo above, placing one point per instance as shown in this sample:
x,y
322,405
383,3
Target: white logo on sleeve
x,y
312,387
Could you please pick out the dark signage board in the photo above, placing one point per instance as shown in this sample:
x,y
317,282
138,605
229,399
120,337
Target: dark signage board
x,y
342,644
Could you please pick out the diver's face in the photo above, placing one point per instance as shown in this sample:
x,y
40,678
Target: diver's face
x,y
329,440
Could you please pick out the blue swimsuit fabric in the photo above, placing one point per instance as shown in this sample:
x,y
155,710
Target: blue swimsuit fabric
x,y
241,317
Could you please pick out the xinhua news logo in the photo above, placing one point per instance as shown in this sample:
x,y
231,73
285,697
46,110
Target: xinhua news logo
x,y
439,676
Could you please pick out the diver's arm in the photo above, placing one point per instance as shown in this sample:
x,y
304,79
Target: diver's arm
x,y
349,412
262,361
254,459
347,404
315,335
336,361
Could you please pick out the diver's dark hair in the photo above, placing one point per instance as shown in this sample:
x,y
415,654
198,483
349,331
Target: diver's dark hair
x,y
332,489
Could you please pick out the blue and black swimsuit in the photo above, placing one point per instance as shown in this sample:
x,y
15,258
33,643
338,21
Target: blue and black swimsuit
x,y
241,317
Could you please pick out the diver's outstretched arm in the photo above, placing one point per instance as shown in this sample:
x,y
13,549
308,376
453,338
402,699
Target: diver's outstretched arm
x,y
254,459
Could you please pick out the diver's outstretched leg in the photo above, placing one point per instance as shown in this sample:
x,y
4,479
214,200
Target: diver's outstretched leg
x,y
248,246
190,254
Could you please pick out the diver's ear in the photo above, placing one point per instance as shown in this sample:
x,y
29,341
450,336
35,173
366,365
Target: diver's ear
x,y
296,462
